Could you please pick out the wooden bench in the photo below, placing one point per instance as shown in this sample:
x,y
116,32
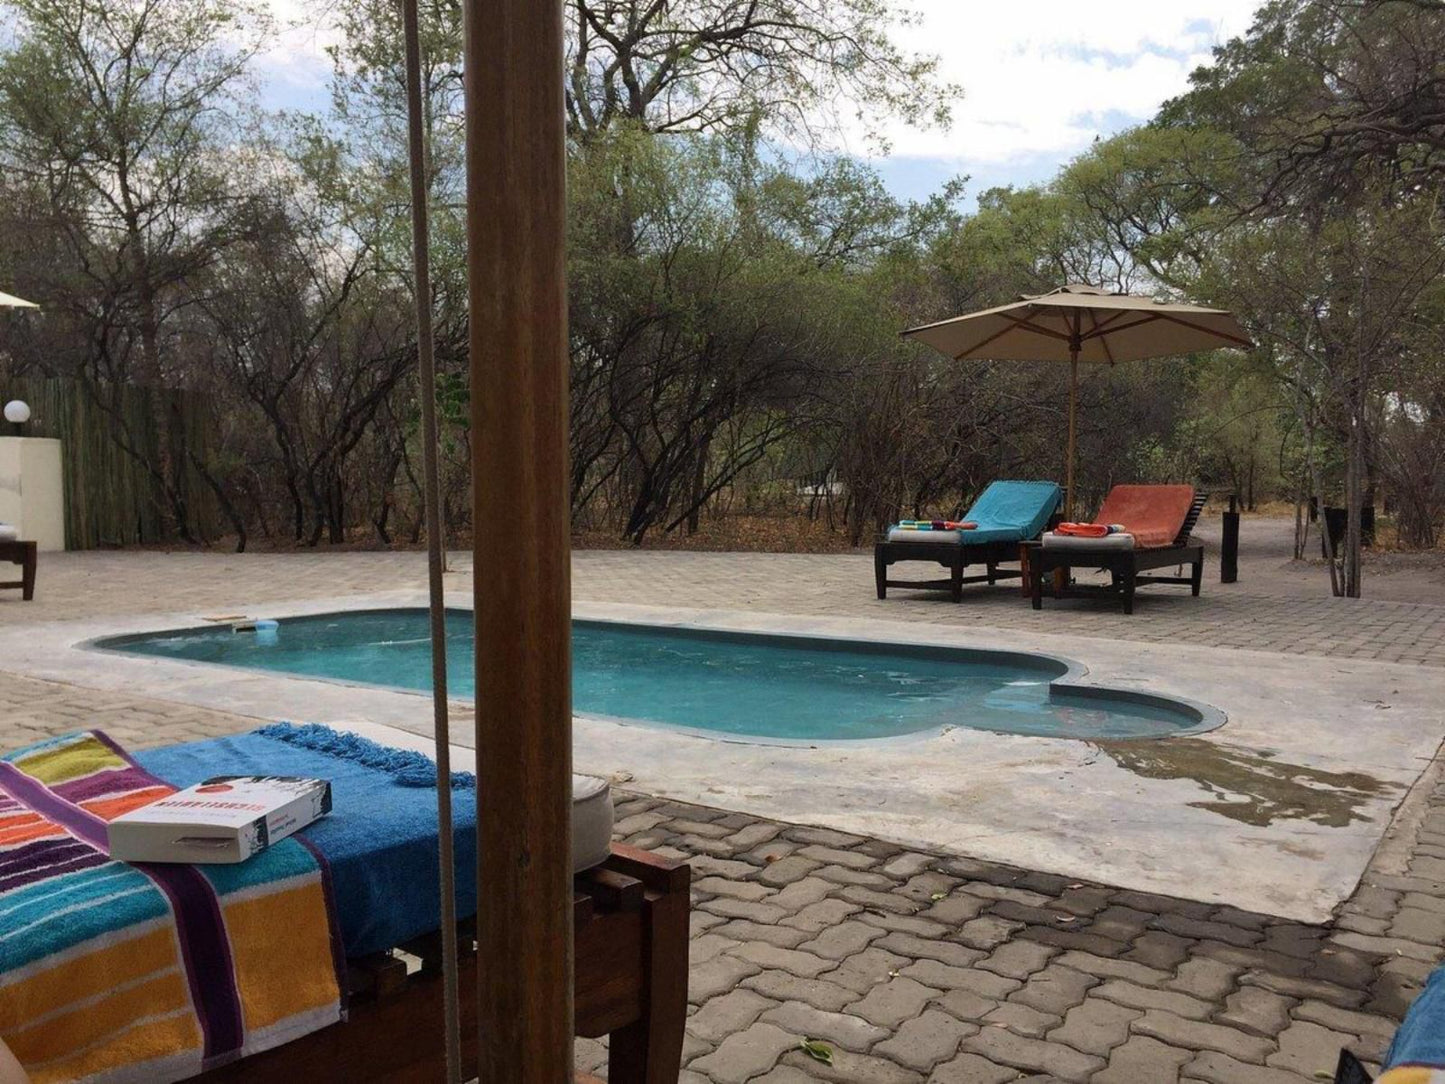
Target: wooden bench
x,y
22,554
630,925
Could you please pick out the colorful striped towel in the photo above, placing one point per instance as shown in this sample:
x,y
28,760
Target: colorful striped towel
x,y
936,525
148,972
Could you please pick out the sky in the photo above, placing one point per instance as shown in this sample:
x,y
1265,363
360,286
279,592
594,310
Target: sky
x,y
1041,79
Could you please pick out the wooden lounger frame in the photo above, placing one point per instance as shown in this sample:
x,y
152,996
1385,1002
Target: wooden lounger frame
x,y
954,556
1123,566
630,920
22,554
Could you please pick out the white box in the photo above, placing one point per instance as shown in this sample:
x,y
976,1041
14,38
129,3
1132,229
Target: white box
x,y
225,819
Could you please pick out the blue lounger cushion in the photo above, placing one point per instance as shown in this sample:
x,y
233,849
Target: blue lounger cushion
x,y
1007,511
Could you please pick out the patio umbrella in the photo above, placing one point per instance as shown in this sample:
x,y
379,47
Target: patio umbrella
x,y
1081,324
10,301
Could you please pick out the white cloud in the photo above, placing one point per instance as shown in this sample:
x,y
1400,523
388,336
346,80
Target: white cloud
x,y
1043,77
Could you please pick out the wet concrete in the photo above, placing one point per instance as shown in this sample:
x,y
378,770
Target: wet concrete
x,y
1254,788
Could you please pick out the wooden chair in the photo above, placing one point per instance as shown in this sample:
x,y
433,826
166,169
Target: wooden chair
x,y
22,554
630,924
1124,566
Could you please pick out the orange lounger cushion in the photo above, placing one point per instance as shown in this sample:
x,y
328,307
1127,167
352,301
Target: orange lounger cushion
x,y
1154,515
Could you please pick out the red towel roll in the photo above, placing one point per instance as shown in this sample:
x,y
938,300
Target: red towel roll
x,y
1083,530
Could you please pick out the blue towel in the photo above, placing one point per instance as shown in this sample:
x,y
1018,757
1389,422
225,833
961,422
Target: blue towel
x,y
1011,512
1421,1038
380,839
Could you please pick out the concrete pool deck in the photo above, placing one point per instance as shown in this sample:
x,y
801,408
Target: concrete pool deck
x,y
1278,811
914,964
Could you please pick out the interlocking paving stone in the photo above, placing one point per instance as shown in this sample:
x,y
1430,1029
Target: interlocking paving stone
x,y
907,864
841,1029
1257,1011
947,952
879,900
1294,986
851,1068
1156,948
890,1003
948,977
1054,990
817,917
745,1054
1095,1027
925,1040
717,976
1213,1067
843,940
1308,1048
722,886
743,930
1018,959
1143,1059
1337,1019
1142,997
726,907
727,1013
867,969
801,893
1204,978
1021,1019
918,927
1198,1035
1109,968
972,1069
787,870
819,993
987,931
803,964
1001,1045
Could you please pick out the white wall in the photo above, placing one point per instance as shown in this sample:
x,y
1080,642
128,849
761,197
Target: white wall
x,y
32,489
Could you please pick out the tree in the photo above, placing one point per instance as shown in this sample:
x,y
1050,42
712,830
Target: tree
x,y
121,112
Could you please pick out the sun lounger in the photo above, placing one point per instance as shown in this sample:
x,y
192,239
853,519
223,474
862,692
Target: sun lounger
x,y
1156,522
1007,513
16,552
378,850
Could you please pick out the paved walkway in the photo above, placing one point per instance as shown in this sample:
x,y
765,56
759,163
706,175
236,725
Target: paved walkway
x,y
910,966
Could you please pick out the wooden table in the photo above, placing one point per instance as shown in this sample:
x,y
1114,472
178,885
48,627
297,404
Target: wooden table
x,y
22,554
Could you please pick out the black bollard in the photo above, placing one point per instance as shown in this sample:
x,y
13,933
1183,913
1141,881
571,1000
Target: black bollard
x,y
1229,547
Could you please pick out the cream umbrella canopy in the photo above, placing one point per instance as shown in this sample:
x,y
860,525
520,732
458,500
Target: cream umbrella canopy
x,y
10,301
1081,324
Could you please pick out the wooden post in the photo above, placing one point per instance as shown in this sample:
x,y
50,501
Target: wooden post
x,y
515,160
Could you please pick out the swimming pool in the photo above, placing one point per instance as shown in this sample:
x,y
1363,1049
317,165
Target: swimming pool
x,y
747,685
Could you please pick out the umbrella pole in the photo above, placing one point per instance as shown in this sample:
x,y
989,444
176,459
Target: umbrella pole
x,y
1073,428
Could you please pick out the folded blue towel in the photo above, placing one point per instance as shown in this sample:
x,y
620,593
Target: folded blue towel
x,y
380,840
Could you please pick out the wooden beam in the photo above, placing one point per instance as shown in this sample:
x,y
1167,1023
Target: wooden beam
x,y
515,160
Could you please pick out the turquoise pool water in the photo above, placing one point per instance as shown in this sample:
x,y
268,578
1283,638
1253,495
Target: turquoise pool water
x,y
741,684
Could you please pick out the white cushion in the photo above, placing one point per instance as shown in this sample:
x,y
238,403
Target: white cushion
x,y
591,796
901,534
9,533
1120,541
